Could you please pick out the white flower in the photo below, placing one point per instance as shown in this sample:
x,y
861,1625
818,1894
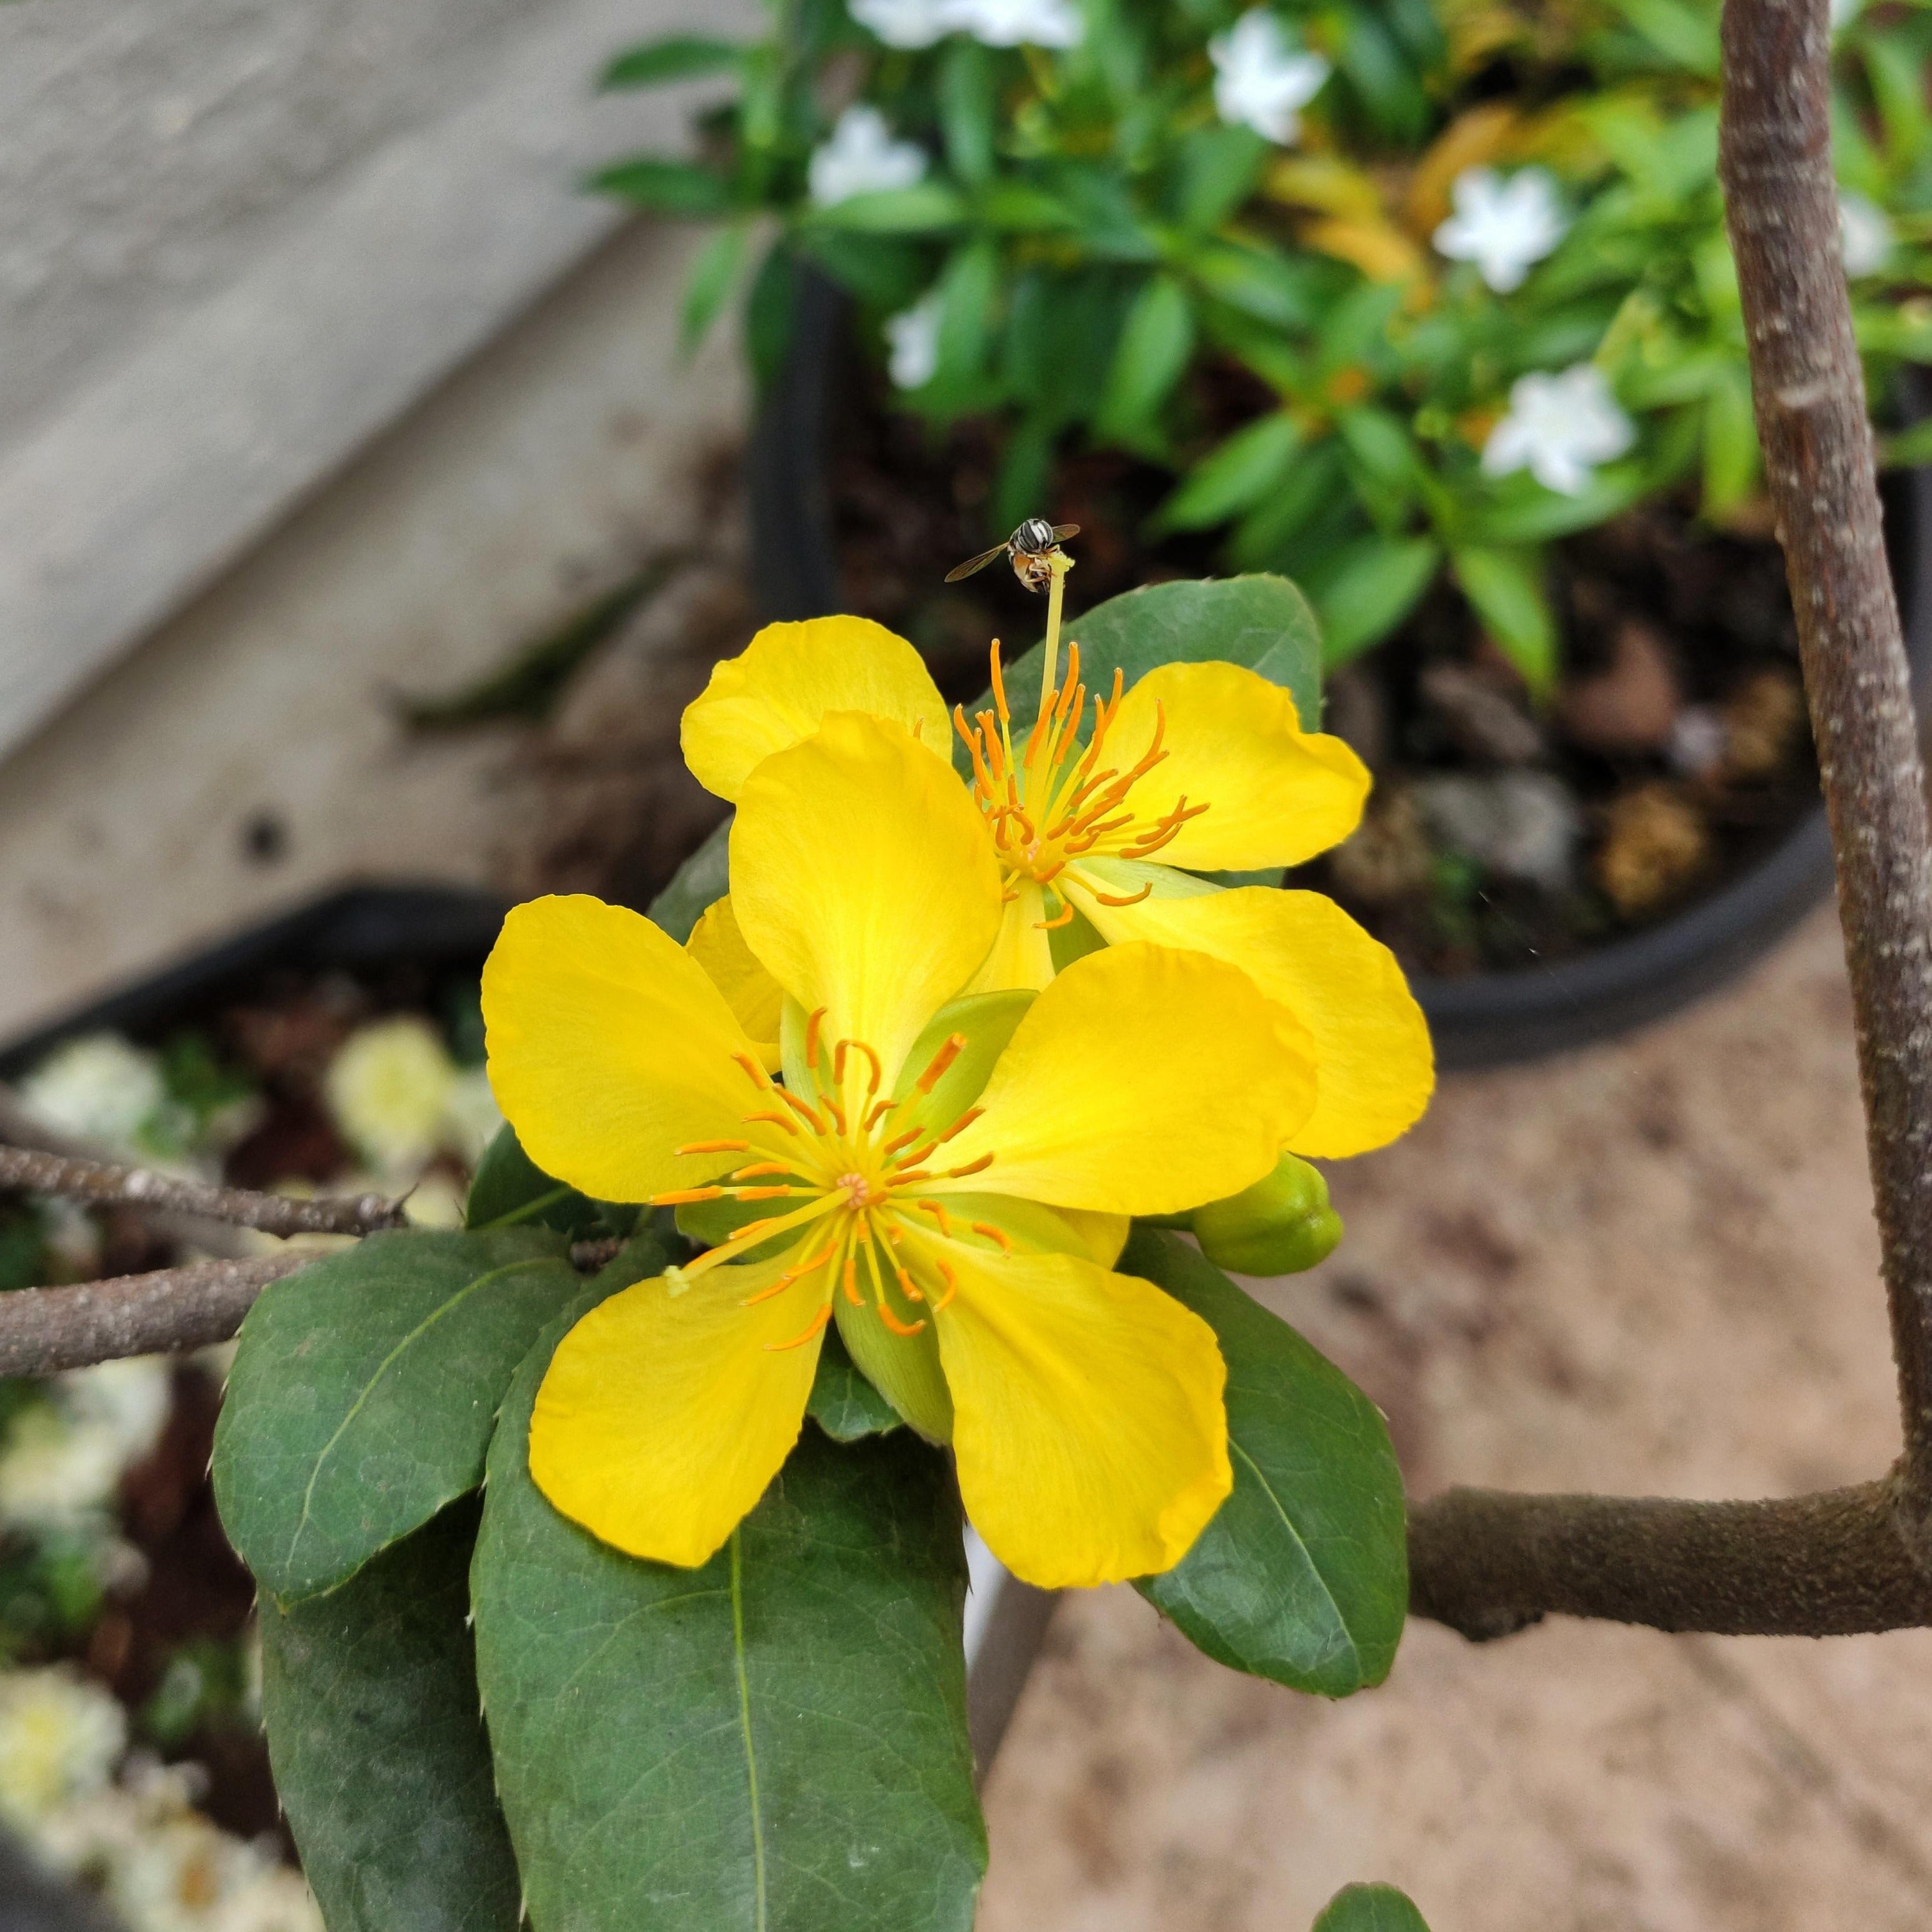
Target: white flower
x,y
55,1473
129,1399
861,157
60,1739
98,1087
906,23
1261,79
1503,226
1019,23
913,337
1866,237
388,1088
1558,428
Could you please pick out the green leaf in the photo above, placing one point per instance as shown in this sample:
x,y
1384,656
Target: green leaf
x,y
1302,1577
1252,461
672,57
1368,590
1285,294
699,883
1369,1908
928,208
844,1403
1219,168
665,187
511,1191
376,1735
1026,469
1524,511
968,108
1263,622
712,276
768,314
1731,465
1910,447
1156,341
775,1739
968,287
1506,587
364,1393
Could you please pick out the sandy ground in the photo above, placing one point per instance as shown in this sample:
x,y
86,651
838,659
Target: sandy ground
x,y
1649,1267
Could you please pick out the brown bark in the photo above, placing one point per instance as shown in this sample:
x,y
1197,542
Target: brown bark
x,y
33,1171
1782,205
1486,1563
44,1329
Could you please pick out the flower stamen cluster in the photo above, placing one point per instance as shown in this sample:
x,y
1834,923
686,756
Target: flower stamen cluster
x,y
863,1176
1052,802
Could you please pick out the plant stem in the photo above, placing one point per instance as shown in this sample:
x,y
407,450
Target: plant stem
x,y
45,1329
31,1171
1487,1564
1781,203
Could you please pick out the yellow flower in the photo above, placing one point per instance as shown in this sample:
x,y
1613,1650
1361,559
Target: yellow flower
x,y
1199,768
947,1178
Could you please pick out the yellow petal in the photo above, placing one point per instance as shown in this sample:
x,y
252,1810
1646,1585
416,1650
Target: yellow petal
x,y
779,688
1141,1082
1036,1229
750,992
1376,1066
1022,954
1275,794
663,1417
1087,1417
862,877
610,1048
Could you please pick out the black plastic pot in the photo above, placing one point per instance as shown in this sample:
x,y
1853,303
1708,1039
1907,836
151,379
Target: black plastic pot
x,y
1484,1018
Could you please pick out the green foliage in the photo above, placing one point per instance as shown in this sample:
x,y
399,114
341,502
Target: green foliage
x,y
778,1738
510,1190
364,1391
844,1403
1302,1575
1369,1908
1263,622
1110,252
674,57
376,1735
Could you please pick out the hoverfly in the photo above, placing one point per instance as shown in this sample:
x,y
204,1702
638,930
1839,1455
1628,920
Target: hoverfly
x,y
1027,549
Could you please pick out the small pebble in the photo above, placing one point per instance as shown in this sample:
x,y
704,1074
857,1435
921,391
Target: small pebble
x,y
1521,825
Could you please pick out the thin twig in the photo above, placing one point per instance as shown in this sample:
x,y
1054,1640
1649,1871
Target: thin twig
x,y
1487,1564
32,1171
44,1329
1781,200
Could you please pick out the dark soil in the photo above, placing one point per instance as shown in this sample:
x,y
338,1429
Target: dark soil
x,y
1676,737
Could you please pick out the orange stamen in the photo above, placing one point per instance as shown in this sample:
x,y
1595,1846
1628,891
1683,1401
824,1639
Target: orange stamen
x,y
715,1147
905,1139
757,1074
859,1046
993,1234
1064,917
682,1197
893,1322
908,1287
777,1119
757,1168
1000,685
803,1109
1132,898
965,1120
954,1045
877,1114
852,1294
817,1322
938,1213
979,1166
945,1301
767,1193
812,1024
791,1275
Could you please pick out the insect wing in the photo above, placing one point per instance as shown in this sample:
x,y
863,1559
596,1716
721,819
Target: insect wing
x,y
972,564
1061,532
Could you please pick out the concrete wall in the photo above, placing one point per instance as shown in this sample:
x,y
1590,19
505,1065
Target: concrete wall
x,y
240,238
323,380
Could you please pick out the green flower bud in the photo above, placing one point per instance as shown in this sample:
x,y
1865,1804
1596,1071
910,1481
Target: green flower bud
x,y
1280,1225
